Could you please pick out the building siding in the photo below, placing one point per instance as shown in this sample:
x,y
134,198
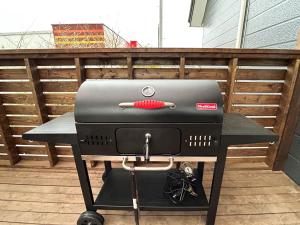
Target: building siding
x,y
220,23
272,24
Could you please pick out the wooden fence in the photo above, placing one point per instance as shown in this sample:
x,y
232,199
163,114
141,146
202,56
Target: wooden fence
x,y
39,85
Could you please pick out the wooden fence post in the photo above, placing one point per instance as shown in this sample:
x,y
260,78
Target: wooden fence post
x,y
5,132
130,67
182,68
279,157
38,98
79,71
232,72
81,78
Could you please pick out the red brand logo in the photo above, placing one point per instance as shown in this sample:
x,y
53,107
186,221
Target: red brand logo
x,y
206,106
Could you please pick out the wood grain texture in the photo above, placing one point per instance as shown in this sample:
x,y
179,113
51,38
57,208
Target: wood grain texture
x,y
38,98
53,196
58,83
284,106
6,138
182,68
232,72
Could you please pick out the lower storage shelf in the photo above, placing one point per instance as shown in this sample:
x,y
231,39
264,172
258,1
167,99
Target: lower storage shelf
x,y
116,193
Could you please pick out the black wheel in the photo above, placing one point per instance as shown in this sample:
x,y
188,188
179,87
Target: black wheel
x,y
90,218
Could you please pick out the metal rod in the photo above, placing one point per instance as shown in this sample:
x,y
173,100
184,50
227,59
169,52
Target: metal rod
x,y
135,198
142,168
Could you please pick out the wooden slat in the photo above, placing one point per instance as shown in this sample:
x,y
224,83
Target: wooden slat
x,y
20,109
106,73
255,111
290,124
156,61
155,73
267,122
54,62
12,62
258,87
37,90
21,141
59,110
60,86
260,74
7,139
232,72
13,74
15,86
32,150
207,61
209,74
64,98
23,120
287,93
57,73
20,130
17,98
80,75
105,61
182,68
247,152
263,62
130,67
255,99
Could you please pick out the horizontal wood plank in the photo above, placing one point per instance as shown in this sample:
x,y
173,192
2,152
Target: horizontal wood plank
x,y
256,99
17,98
255,111
15,86
155,73
106,73
210,74
60,86
260,74
258,87
63,98
57,73
13,74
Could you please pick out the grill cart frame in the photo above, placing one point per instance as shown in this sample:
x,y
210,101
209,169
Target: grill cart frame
x,y
151,121
237,129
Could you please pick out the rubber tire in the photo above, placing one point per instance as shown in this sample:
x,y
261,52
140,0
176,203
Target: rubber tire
x,y
90,217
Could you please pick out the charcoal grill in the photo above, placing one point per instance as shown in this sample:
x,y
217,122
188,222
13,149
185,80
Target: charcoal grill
x,y
137,122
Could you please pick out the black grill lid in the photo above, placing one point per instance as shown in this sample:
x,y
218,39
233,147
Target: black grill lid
x,y
196,101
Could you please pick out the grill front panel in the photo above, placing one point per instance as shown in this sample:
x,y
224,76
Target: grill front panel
x,y
182,139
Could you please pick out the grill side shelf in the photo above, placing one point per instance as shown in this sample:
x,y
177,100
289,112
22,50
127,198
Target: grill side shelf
x,y
59,130
238,129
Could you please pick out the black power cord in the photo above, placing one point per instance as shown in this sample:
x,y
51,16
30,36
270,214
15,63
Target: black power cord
x,y
178,185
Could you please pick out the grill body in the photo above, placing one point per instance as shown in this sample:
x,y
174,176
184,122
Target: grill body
x,y
190,127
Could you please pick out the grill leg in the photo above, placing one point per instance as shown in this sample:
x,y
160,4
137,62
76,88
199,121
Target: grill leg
x,y
83,179
135,199
200,169
216,185
107,166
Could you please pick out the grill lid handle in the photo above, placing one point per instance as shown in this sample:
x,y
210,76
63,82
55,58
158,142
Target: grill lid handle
x,y
147,104
144,168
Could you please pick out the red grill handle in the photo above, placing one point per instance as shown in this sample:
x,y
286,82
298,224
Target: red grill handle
x,y
147,104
